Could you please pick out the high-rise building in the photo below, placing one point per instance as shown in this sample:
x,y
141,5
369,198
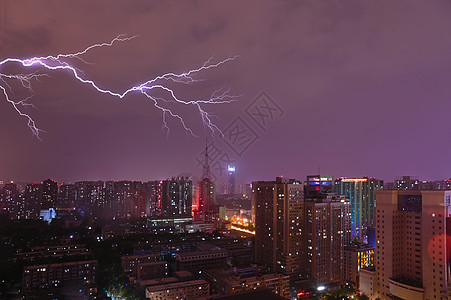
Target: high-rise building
x,y
231,179
49,194
111,200
91,197
407,183
154,194
139,202
325,233
177,197
317,184
205,200
8,199
278,221
67,195
33,196
362,196
413,245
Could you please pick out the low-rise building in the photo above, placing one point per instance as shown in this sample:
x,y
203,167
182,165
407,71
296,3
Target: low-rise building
x,y
172,223
56,252
367,282
54,275
179,290
356,257
206,257
130,262
199,227
151,270
227,283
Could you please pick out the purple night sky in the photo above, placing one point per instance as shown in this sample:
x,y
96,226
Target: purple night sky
x,y
364,87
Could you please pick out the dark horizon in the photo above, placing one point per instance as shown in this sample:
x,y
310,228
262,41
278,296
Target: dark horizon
x,y
413,177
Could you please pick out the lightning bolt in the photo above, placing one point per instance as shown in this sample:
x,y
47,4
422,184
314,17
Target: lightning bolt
x,y
146,88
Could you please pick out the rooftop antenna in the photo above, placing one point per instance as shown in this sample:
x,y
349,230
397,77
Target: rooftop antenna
x,y
206,172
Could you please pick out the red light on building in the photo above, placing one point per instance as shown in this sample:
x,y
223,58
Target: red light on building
x,y
303,294
437,242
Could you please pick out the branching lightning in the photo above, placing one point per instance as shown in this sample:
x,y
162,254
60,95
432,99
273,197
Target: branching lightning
x,y
63,62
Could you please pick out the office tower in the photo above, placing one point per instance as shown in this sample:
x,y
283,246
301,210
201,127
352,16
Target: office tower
x,y
278,218
231,179
49,194
177,197
317,184
325,232
413,245
362,195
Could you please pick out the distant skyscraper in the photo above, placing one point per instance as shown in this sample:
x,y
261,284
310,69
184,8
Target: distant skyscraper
x,y
278,218
316,184
33,198
49,194
362,195
111,204
67,195
139,201
231,179
154,194
91,197
437,185
177,197
413,246
8,199
406,183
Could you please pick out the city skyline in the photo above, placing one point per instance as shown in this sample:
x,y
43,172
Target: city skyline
x,y
355,81
233,149
224,183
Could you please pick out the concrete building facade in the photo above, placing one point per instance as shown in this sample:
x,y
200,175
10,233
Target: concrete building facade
x,y
278,224
413,242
